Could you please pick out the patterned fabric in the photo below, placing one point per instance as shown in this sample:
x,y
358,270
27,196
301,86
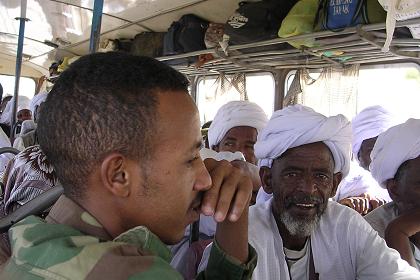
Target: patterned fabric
x,y
28,175
72,244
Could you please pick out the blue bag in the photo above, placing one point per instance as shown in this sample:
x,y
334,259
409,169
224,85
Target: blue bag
x,y
339,14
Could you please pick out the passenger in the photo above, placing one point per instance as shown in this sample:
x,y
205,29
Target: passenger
x,y
29,138
396,166
234,129
6,157
4,127
359,190
28,175
300,234
22,113
133,178
27,126
4,102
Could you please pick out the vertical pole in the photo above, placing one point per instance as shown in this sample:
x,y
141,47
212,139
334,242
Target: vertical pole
x,y
95,32
22,20
279,79
194,89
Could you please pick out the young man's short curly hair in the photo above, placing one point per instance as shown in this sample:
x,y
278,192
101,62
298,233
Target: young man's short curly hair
x,y
103,103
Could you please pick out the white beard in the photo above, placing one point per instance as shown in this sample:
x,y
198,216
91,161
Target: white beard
x,y
298,227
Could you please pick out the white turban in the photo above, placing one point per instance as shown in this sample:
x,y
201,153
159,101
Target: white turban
x,y
369,123
299,125
37,100
394,147
233,114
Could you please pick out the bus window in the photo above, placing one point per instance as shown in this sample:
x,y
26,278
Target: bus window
x,y
395,87
26,86
260,88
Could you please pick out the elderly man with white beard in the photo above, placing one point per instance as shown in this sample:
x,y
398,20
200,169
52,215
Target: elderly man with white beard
x,y
299,233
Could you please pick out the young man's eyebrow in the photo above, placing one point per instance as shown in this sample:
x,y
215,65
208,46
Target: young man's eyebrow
x,y
198,145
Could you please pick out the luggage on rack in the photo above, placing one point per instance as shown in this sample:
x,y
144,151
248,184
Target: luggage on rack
x,y
148,44
338,14
300,20
185,35
257,21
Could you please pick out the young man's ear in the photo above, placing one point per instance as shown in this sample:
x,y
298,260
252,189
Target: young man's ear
x,y
337,177
115,175
265,175
392,187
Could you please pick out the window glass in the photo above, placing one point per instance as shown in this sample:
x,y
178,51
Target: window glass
x,y
26,86
395,87
260,88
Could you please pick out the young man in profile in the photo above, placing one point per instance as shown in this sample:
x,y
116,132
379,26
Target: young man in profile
x,y
123,136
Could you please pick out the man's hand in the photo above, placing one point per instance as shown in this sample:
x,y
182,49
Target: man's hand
x,y
399,231
230,192
228,201
363,204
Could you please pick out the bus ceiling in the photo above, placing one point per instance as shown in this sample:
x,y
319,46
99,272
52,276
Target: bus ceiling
x,y
62,28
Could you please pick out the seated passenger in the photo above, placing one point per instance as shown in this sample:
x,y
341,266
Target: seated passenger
x,y
5,157
28,175
133,179
4,126
29,138
299,233
234,129
359,190
396,166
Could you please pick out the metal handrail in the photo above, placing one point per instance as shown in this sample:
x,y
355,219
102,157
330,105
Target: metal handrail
x,y
11,150
34,207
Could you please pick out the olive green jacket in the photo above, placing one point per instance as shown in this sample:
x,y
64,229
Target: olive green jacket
x,y
71,244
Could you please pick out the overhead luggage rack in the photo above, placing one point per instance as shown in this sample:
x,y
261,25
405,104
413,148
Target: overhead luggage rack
x,y
354,45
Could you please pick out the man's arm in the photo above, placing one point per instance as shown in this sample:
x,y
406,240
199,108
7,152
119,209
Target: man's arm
x,y
374,259
227,201
399,231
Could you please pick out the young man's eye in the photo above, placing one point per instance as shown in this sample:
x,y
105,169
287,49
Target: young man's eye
x,y
191,161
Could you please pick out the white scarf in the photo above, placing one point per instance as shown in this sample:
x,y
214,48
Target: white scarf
x,y
299,125
233,114
369,123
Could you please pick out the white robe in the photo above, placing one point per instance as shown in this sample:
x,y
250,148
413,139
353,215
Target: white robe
x,y
344,246
381,217
360,181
